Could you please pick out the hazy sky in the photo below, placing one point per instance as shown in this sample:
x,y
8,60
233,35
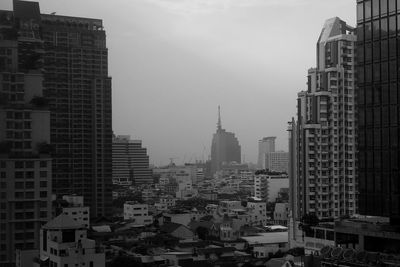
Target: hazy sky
x,y
174,61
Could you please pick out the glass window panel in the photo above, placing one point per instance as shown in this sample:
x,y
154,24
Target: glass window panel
x,y
393,71
360,32
368,52
360,11
377,116
377,138
361,116
368,30
360,53
385,115
392,6
385,138
377,72
369,120
383,6
368,95
393,115
384,49
376,50
384,71
367,9
377,94
394,137
385,94
384,27
392,25
398,23
360,74
368,73
398,5
375,29
377,160
361,95
392,47
375,8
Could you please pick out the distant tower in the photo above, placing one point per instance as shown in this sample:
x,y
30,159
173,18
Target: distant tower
x,y
225,147
265,145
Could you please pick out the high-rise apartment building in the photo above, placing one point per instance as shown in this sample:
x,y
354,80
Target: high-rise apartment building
x,y
378,53
25,161
78,87
326,133
225,147
265,145
130,161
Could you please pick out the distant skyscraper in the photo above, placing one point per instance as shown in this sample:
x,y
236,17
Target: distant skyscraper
x,y
224,148
378,62
265,145
25,161
77,84
130,160
326,133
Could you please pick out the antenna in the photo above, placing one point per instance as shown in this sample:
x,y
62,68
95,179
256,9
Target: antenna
x,y
219,118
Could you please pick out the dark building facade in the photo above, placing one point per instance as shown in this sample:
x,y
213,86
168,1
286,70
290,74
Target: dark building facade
x,y
25,161
225,148
130,161
78,87
378,50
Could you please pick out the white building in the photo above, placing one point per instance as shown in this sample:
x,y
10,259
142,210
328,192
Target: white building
x,y
265,145
64,243
281,213
76,210
267,186
138,213
326,127
276,161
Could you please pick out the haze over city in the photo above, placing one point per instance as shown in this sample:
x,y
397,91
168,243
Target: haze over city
x,y
173,62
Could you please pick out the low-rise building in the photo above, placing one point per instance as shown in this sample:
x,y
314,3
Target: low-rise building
x,y
138,213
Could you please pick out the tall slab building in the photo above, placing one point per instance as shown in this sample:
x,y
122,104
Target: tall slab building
x,y
225,147
378,53
25,161
326,129
265,145
130,161
78,87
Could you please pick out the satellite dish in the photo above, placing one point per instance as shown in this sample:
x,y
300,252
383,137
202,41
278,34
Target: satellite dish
x,y
349,254
337,252
326,251
361,256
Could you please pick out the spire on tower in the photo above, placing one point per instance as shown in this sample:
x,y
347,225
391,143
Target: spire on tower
x,y
219,119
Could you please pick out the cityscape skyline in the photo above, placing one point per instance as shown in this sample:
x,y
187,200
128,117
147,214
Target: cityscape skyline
x,y
157,31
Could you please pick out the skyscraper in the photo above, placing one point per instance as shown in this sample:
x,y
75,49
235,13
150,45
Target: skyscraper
x,y
130,160
378,102
265,145
25,161
78,87
325,128
224,148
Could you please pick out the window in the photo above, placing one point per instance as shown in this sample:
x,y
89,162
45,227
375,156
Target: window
x,y
43,194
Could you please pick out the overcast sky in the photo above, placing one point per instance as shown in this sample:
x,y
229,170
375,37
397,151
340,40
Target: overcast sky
x,y
174,61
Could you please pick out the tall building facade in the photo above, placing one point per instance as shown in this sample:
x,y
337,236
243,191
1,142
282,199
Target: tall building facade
x,y
276,161
225,147
78,87
25,161
378,53
130,161
326,133
265,145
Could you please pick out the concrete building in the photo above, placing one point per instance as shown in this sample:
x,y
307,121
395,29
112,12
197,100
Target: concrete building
x,y
281,214
76,210
225,147
25,160
265,145
139,213
79,89
64,242
325,128
268,186
276,161
130,161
